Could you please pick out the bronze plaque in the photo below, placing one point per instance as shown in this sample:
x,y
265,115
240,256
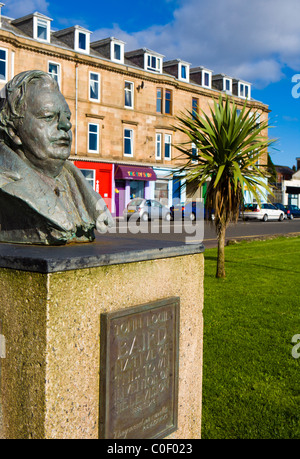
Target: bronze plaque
x,y
139,371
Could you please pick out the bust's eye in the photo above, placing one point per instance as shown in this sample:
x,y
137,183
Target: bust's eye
x,y
49,116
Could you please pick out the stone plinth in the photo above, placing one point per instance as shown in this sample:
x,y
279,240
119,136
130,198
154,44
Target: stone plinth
x,y
51,302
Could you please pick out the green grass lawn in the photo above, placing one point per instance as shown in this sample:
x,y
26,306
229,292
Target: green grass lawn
x,y
251,382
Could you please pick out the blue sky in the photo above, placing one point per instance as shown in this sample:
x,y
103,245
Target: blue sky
x,y
258,41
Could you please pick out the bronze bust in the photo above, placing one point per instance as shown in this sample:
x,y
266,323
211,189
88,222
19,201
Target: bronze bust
x,y
44,198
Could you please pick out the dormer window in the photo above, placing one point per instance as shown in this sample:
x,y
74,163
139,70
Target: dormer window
x,y
41,29
111,48
202,76
227,85
82,40
35,25
178,68
184,72
244,90
153,63
117,51
206,79
146,59
76,37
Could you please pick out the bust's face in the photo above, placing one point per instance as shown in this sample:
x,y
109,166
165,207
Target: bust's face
x,y
45,129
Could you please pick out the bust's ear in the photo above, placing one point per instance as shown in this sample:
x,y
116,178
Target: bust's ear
x,y
14,137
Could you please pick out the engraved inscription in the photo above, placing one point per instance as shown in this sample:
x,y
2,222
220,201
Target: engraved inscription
x,y
141,363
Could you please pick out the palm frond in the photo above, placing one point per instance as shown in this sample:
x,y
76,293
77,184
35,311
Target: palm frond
x,y
230,146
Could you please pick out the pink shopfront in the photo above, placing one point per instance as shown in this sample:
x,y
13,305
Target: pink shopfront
x,y
132,182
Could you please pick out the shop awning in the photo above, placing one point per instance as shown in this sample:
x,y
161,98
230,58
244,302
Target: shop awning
x,y
134,173
293,190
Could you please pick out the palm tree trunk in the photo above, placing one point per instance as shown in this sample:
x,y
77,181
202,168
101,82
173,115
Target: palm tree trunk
x,y
221,252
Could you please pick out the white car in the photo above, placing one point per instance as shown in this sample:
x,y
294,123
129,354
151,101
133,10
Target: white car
x,y
263,212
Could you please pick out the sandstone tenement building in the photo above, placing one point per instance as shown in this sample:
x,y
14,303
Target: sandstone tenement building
x,y
123,103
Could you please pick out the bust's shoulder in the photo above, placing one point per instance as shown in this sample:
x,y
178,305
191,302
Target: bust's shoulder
x,y
10,168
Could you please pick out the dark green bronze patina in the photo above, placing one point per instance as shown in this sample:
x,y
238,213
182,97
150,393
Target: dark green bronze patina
x,y
139,365
44,198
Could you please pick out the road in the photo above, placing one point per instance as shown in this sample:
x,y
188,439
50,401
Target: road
x,y
187,232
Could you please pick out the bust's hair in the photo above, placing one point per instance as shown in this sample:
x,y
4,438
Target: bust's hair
x,y
13,97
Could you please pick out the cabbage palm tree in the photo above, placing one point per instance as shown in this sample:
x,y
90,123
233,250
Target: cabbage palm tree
x,y
230,145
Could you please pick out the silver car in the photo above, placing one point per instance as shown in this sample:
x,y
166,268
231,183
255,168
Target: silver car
x,y
263,212
146,209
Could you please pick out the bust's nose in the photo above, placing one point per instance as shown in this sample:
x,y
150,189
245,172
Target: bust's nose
x,y
64,122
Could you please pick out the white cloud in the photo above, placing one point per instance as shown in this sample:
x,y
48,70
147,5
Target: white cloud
x,y
251,40
19,8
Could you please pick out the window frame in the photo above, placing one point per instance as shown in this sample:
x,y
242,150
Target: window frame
x,y
5,64
92,99
36,20
158,63
90,180
169,143
242,92
97,133
229,91
158,151
168,101
87,42
181,67
129,91
131,138
112,51
195,107
58,72
159,100
195,153
204,74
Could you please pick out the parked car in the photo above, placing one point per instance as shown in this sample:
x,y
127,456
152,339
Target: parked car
x,y
146,209
294,211
263,212
287,213
190,211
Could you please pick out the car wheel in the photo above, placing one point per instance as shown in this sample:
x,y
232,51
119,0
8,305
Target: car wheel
x,y
192,217
145,217
265,218
168,217
281,217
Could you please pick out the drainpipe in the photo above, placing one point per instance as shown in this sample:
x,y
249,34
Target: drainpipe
x,y
76,106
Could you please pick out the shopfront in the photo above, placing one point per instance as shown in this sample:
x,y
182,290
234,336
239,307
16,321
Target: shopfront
x,y
100,176
132,182
169,187
292,192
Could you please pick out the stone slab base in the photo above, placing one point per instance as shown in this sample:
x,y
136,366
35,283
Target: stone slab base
x,y
51,324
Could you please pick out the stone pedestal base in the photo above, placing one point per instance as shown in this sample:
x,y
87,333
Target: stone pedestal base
x,y
50,310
